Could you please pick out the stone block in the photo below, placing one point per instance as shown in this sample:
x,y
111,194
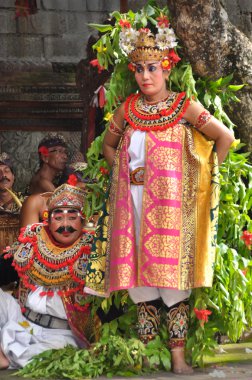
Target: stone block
x,y
95,5
103,5
44,23
21,47
70,48
7,22
78,22
113,5
7,4
67,5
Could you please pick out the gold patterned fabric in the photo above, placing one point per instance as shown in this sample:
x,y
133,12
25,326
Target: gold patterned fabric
x,y
179,210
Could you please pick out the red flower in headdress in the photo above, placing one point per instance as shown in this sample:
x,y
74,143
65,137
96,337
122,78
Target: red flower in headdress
x,y
95,63
44,150
45,215
132,67
163,21
124,23
72,180
166,63
144,30
173,57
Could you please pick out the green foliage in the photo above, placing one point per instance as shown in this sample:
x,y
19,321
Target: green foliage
x,y
229,299
111,356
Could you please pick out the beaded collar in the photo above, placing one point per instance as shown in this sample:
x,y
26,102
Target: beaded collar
x,y
157,116
39,262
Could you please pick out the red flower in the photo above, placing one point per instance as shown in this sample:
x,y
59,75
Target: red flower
x,y
202,315
166,63
103,170
173,57
72,180
144,30
124,23
45,215
163,21
247,238
95,63
44,150
132,67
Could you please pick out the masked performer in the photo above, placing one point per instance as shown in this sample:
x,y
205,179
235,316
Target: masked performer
x,y
51,262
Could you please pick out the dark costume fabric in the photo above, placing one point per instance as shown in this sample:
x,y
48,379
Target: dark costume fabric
x,y
9,231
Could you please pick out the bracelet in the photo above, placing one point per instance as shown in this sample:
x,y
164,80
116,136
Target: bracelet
x,y
114,128
202,119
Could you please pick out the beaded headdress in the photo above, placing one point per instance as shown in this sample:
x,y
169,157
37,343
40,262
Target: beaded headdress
x,y
5,160
66,196
143,45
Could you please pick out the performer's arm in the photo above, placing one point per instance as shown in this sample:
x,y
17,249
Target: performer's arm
x,y
197,115
31,209
113,134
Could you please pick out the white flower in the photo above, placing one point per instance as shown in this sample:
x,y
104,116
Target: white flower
x,y
127,40
165,38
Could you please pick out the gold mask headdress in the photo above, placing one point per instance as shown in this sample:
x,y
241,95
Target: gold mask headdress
x,y
67,196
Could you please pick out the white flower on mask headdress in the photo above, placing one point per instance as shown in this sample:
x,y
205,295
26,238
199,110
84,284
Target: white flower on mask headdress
x,y
127,41
165,38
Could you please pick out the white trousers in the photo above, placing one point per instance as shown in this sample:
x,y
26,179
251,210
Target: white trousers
x,y
20,339
169,296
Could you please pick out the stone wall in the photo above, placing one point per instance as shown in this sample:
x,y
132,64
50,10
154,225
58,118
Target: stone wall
x,y
38,59
57,32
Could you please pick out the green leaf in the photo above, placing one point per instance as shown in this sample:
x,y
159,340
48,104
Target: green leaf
x,y
236,87
101,28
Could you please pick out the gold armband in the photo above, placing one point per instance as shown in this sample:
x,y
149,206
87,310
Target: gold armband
x,y
114,128
202,119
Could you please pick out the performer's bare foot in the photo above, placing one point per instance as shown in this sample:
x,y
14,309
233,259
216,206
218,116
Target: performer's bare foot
x,y
179,365
4,362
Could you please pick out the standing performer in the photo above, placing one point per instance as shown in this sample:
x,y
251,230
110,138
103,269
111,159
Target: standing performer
x,y
163,202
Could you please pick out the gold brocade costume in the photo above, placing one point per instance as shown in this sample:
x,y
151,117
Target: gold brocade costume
x,y
179,208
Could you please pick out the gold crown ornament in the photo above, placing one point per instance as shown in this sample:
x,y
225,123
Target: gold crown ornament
x,y
143,45
146,49
67,196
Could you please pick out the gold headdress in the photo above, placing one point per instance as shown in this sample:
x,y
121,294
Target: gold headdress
x,y
146,49
67,196
143,45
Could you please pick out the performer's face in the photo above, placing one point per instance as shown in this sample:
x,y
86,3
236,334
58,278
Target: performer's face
x,y
151,78
6,178
57,157
65,225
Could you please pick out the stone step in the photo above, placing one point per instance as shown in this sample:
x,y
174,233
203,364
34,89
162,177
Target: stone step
x,y
229,353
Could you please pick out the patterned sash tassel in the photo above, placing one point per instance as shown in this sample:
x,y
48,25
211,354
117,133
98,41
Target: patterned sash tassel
x,y
148,314
177,324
